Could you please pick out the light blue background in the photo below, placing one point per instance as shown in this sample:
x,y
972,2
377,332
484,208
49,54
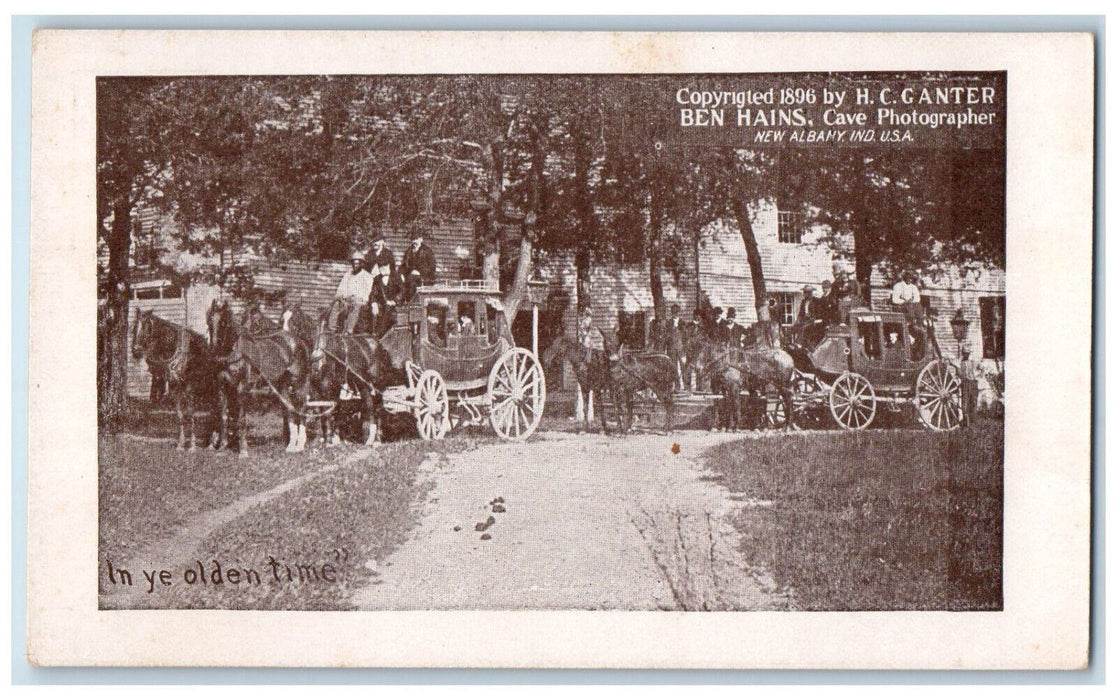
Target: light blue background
x,y
22,27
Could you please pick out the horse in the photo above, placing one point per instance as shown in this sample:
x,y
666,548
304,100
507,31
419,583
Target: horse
x,y
183,358
711,364
340,359
590,368
762,367
633,372
274,355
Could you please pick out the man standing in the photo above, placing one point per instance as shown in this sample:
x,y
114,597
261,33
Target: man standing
x,y
418,267
734,332
353,292
380,257
590,338
719,331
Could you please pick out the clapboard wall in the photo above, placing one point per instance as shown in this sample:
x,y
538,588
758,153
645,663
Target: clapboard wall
x,y
724,269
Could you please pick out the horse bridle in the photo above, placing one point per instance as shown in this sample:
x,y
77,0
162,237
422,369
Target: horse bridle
x,y
146,321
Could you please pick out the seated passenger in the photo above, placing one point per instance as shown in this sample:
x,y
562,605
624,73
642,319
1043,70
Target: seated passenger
x,y
352,294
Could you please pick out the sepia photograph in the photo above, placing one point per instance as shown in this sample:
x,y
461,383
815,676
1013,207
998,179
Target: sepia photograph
x,y
647,342
372,344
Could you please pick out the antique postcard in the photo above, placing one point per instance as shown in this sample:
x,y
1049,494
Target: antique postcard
x,y
534,349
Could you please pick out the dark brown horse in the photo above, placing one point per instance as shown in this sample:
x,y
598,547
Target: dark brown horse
x,y
358,362
274,358
181,355
634,372
591,369
761,368
710,363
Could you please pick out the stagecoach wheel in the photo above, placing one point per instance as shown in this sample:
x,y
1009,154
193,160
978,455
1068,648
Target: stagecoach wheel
x,y
517,391
938,396
853,403
432,415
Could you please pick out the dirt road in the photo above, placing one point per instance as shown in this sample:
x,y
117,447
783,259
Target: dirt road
x,y
588,522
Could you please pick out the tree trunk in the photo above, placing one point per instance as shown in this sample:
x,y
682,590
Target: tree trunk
x,y
490,251
655,261
587,221
519,290
119,291
752,253
516,295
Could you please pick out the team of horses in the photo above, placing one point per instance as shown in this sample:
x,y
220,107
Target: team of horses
x,y
686,360
292,361
306,366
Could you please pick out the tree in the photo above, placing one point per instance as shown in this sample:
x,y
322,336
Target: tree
x,y
926,208
729,182
131,119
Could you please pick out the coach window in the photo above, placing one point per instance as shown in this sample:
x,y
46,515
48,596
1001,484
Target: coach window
x,y
869,335
436,323
468,323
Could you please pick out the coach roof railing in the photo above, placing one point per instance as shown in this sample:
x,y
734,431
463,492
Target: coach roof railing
x,y
460,286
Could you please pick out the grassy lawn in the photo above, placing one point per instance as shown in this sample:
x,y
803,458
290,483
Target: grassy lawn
x,y
879,520
148,490
345,518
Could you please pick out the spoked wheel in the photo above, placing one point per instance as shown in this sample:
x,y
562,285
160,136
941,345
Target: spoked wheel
x,y
938,396
518,391
853,403
432,414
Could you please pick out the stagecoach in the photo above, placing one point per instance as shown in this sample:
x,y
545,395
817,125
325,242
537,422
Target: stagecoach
x,y
879,359
454,345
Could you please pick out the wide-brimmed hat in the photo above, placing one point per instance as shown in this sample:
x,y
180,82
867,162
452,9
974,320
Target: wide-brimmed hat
x,y
356,255
808,287
418,230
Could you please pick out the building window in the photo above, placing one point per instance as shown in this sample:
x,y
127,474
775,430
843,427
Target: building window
x,y
630,329
789,227
992,311
784,310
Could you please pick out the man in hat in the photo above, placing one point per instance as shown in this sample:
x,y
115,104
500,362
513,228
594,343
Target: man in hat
x,y
807,310
827,305
418,264
846,291
718,330
386,288
353,292
380,257
906,297
734,332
